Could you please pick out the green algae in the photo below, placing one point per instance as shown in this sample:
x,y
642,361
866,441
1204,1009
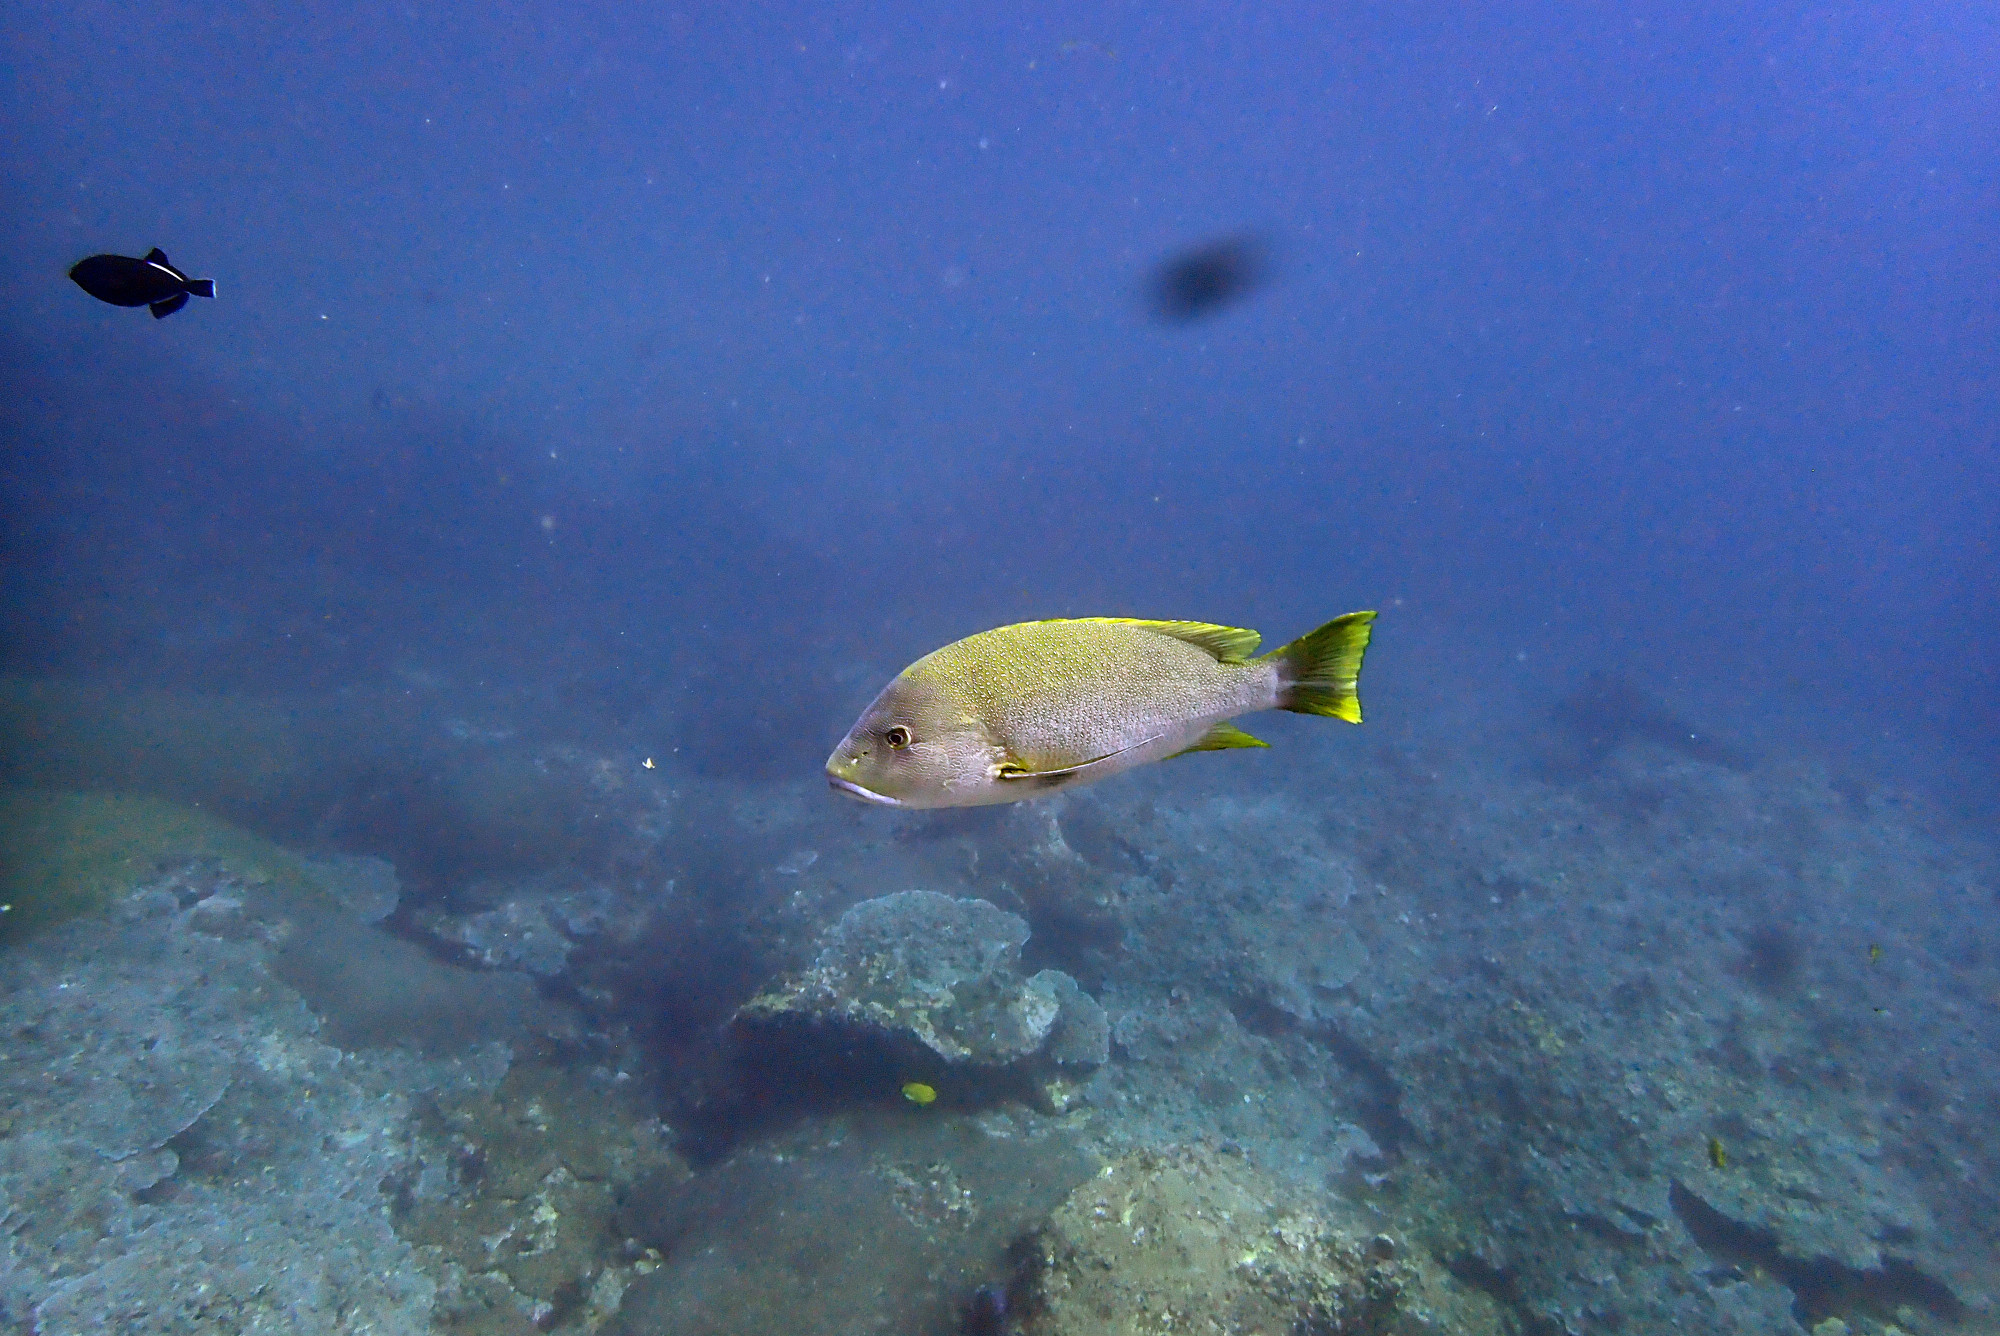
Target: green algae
x,y
65,855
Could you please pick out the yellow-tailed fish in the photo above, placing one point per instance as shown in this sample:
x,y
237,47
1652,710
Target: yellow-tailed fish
x,y
1025,710
918,1093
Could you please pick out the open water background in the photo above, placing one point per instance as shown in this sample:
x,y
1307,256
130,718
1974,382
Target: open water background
x,y
634,346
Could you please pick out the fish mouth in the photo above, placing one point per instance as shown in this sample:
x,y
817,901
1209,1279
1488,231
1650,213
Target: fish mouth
x,y
853,790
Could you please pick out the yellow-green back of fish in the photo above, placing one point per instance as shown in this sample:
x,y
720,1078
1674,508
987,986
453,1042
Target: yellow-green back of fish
x,y
1063,693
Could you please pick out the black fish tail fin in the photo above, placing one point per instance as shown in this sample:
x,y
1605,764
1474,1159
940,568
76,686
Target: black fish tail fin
x,y
1319,672
162,309
202,287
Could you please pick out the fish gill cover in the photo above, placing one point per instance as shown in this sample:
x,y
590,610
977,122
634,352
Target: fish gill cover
x,y
418,666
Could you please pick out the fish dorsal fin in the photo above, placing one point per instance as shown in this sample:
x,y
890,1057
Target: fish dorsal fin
x,y
1015,772
1221,738
156,256
1229,644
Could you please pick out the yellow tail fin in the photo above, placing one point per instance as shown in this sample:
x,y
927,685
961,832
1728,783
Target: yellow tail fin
x,y
1320,672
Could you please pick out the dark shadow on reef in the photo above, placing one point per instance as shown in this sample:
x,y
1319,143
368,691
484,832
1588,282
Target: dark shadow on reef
x,y
1610,711
1822,1287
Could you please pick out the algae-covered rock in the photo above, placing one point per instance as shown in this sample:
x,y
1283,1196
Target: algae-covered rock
x,y
179,1151
67,854
879,1222
935,983
1190,1240
532,923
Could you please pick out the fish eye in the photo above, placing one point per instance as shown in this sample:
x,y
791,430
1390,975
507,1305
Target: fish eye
x,y
897,737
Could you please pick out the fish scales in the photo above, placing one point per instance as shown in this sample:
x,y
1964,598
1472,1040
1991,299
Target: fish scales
x,y
1061,693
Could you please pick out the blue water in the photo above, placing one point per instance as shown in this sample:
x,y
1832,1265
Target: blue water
x,y
1663,337
664,377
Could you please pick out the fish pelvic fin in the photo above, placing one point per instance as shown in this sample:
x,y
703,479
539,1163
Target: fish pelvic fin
x,y
1221,738
201,287
1320,672
162,309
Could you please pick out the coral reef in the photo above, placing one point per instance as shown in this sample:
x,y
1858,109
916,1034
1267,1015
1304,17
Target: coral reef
x,y
926,1204
190,1143
182,1154
1606,1032
1567,995
515,1194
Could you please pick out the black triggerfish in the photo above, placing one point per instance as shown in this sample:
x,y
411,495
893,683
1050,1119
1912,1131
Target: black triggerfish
x,y
124,281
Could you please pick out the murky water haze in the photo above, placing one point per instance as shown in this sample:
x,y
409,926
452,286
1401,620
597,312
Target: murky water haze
x,y
596,408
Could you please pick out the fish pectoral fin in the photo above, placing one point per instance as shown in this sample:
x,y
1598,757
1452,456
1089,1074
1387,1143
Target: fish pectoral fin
x,y
1015,771
162,309
1222,737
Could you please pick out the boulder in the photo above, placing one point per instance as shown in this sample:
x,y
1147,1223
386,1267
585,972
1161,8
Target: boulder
x,y
932,987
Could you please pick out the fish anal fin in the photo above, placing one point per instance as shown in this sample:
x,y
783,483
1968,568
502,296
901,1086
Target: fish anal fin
x,y
1222,737
162,309
1229,644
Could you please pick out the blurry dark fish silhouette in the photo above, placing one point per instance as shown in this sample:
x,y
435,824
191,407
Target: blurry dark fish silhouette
x,y
124,281
1200,282
986,1315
